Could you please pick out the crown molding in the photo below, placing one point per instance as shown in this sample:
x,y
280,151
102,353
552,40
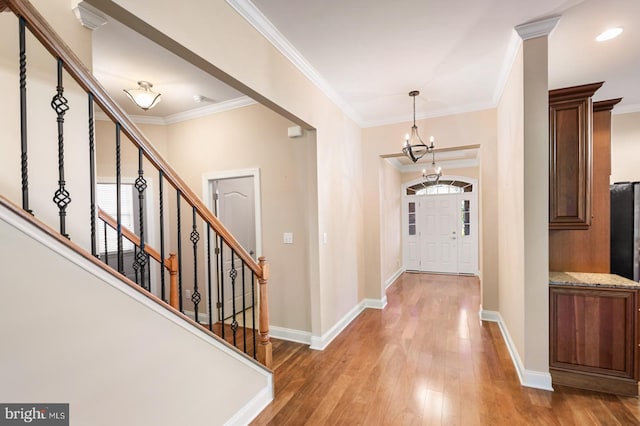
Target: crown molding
x,y
540,28
255,18
515,42
216,108
186,115
626,109
89,16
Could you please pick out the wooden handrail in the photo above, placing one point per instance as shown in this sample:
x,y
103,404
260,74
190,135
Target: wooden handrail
x,y
171,263
80,73
130,235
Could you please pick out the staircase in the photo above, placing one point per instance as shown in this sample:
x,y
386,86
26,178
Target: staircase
x,y
143,327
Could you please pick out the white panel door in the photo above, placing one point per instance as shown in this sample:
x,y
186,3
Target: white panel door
x,y
438,233
235,207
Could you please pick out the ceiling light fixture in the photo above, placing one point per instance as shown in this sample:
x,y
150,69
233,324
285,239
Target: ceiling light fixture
x,y
432,177
413,147
143,96
609,34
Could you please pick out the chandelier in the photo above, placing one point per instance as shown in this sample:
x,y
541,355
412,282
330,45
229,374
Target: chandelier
x,y
143,96
414,147
432,176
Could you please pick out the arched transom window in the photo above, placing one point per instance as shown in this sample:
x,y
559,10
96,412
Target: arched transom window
x,y
442,187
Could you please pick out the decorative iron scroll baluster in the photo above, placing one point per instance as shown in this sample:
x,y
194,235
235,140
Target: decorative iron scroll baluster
x,y
209,275
179,223
233,274
106,249
61,197
221,275
119,202
195,237
23,116
161,207
135,265
92,176
253,312
141,258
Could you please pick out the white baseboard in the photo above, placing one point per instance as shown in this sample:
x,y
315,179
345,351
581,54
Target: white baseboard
x,y
375,303
290,334
250,411
528,378
321,342
393,278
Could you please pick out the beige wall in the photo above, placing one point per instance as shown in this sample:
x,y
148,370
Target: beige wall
x,y
256,137
41,124
625,147
391,210
511,203
136,367
257,65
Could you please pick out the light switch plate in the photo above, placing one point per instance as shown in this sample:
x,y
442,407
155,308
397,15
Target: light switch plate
x,y
287,238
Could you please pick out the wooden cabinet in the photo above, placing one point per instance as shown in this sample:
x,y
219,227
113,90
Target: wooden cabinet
x,y
593,338
570,156
587,250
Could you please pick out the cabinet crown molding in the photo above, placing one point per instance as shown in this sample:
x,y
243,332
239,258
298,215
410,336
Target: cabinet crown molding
x,y
574,92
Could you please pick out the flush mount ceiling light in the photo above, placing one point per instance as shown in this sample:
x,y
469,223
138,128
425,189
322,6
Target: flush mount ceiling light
x,y
609,34
413,147
143,96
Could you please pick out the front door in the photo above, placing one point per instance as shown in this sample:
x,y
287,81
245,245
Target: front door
x,y
438,233
235,207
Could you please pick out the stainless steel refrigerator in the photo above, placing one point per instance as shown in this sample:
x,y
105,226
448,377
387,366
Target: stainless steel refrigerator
x,y
625,229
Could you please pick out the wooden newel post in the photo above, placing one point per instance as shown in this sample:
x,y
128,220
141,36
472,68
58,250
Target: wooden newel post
x,y
172,265
264,345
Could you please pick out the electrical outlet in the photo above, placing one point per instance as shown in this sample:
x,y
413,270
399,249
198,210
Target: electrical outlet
x,y
188,293
287,238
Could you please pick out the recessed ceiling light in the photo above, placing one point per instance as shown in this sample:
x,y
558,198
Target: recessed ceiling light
x,y
609,34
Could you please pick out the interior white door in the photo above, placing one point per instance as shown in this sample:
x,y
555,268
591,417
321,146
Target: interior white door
x,y
438,233
235,207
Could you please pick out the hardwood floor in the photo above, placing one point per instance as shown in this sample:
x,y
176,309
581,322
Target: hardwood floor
x,y
426,359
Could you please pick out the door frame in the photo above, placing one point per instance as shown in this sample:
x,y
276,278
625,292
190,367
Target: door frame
x,y
207,197
404,211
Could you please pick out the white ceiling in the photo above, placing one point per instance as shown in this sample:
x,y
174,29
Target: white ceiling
x,y
367,55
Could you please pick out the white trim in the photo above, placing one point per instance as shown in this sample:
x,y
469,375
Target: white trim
x,y
528,378
540,28
204,111
192,114
321,342
375,303
290,334
89,16
508,61
392,279
231,174
251,409
109,279
625,109
260,22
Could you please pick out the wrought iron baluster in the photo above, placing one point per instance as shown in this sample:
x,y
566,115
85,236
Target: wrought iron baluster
x,y
233,274
221,275
179,220
61,197
106,251
141,258
244,310
194,238
209,275
92,176
23,116
135,265
253,312
119,202
161,206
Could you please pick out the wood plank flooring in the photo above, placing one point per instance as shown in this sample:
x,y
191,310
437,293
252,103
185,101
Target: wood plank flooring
x,y
426,359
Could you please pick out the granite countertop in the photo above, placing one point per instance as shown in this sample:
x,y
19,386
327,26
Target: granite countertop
x,y
589,279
